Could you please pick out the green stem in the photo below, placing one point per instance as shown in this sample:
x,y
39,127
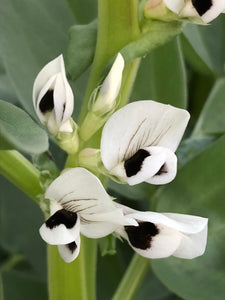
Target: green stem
x,y
132,279
64,282
76,280
117,26
16,168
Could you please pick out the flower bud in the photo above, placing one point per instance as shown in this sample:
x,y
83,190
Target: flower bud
x,y
110,88
53,97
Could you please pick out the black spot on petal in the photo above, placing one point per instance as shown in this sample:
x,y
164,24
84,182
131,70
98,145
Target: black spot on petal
x,y
47,102
202,6
141,236
62,216
133,165
72,246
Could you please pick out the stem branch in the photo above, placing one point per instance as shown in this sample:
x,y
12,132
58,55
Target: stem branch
x,y
132,279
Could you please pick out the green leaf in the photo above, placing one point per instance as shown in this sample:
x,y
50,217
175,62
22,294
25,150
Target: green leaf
x,y
158,33
212,120
199,190
204,46
195,50
19,131
6,90
81,48
35,34
162,76
22,287
84,11
20,220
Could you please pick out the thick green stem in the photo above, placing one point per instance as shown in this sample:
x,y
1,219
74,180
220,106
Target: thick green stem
x,y
132,278
16,168
117,26
64,282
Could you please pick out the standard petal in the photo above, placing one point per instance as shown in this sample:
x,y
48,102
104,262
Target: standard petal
x,y
80,191
70,251
161,235
174,5
138,125
62,227
110,87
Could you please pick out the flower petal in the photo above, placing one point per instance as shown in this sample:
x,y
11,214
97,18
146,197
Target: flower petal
x,y
175,5
161,235
209,13
168,170
80,191
138,125
192,245
144,164
49,70
61,228
110,87
70,251
100,225
52,92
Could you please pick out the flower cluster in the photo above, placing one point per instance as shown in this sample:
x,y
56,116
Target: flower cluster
x,y
138,144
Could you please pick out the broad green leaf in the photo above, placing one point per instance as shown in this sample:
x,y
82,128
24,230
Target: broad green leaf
x,y
81,48
192,147
31,34
199,190
20,220
162,76
156,35
195,49
84,11
204,46
212,118
19,131
152,286
6,90
22,287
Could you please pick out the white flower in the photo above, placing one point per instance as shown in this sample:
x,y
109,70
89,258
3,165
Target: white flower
x,y
53,97
79,204
110,88
207,10
138,142
160,235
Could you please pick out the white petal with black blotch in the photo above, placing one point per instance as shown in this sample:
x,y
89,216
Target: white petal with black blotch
x,y
211,12
164,234
70,251
62,227
53,97
110,87
80,191
207,10
138,127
